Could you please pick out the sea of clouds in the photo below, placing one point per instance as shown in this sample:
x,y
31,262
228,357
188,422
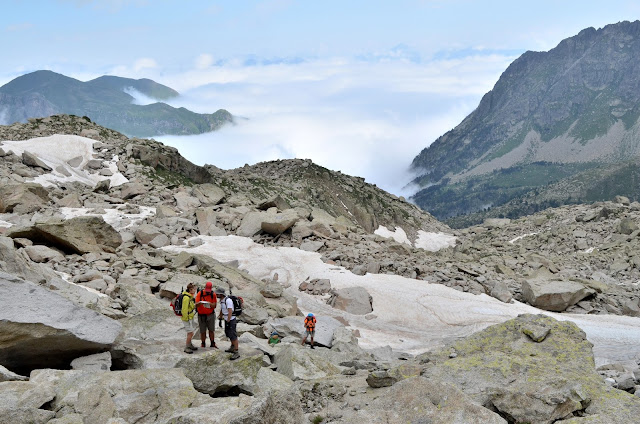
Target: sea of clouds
x,y
365,117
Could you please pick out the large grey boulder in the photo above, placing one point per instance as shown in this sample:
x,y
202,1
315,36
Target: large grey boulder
x,y
208,194
299,363
213,373
553,294
95,362
345,341
178,283
22,198
20,402
83,234
207,219
132,396
277,406
251,224
147,354
280,222
274,202
135,301
185,201
531,369
155,324
32,160
6,375
131,190
146,257
147,233
42,329
39,253
418,400
18,263
354,300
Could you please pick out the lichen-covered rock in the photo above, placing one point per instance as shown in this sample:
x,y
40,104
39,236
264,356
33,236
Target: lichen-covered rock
x,y
214,373
418,400
528,380
299,363
142,396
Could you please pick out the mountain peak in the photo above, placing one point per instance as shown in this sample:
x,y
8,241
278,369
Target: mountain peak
x,y
550,115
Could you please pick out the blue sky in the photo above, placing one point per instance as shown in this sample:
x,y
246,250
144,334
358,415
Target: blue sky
x,y
357,86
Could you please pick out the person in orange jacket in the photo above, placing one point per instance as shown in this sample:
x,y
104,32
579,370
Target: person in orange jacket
x,y
206,301
310,328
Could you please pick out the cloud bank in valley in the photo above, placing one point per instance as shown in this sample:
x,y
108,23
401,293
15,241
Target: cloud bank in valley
x,y
367,117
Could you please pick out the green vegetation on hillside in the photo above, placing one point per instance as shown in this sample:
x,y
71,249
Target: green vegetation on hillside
x,y
105,101
483,192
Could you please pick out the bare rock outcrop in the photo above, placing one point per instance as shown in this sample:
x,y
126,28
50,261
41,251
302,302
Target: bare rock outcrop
x,y
42,329
82,234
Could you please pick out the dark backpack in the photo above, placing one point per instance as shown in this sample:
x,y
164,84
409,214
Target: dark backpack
x,y
176,304
237,305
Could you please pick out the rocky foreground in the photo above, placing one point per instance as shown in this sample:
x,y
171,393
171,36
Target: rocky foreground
x,y
87,336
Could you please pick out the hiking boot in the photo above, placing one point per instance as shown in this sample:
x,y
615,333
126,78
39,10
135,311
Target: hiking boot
x,y
193,347
235,356
188,350
203,344
230,350
213,345
312,347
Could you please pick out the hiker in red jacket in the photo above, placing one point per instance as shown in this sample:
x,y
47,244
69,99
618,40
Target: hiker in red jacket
x,y
206,301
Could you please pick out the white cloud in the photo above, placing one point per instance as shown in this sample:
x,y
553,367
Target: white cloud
x,y
111,5
368,119
3,116
204,61
144,63
24,26
138,97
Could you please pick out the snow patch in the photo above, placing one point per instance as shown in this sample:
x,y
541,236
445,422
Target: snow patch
x,y
398,235
426,240
56,151
431,314
114,216
521,237
434,241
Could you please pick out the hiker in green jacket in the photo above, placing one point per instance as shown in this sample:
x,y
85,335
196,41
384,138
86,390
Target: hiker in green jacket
x,y
188,315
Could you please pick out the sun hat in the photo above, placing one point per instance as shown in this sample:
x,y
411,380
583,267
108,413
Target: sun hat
x,y
220,291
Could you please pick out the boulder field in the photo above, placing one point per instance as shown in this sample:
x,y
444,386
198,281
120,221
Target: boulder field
x,y
97,238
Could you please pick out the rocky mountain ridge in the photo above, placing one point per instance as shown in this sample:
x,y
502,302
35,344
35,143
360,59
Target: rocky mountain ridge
x,y
102,248
106,100
550,115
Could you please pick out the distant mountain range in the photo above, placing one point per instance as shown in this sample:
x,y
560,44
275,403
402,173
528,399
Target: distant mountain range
x,y
551,117
106,100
